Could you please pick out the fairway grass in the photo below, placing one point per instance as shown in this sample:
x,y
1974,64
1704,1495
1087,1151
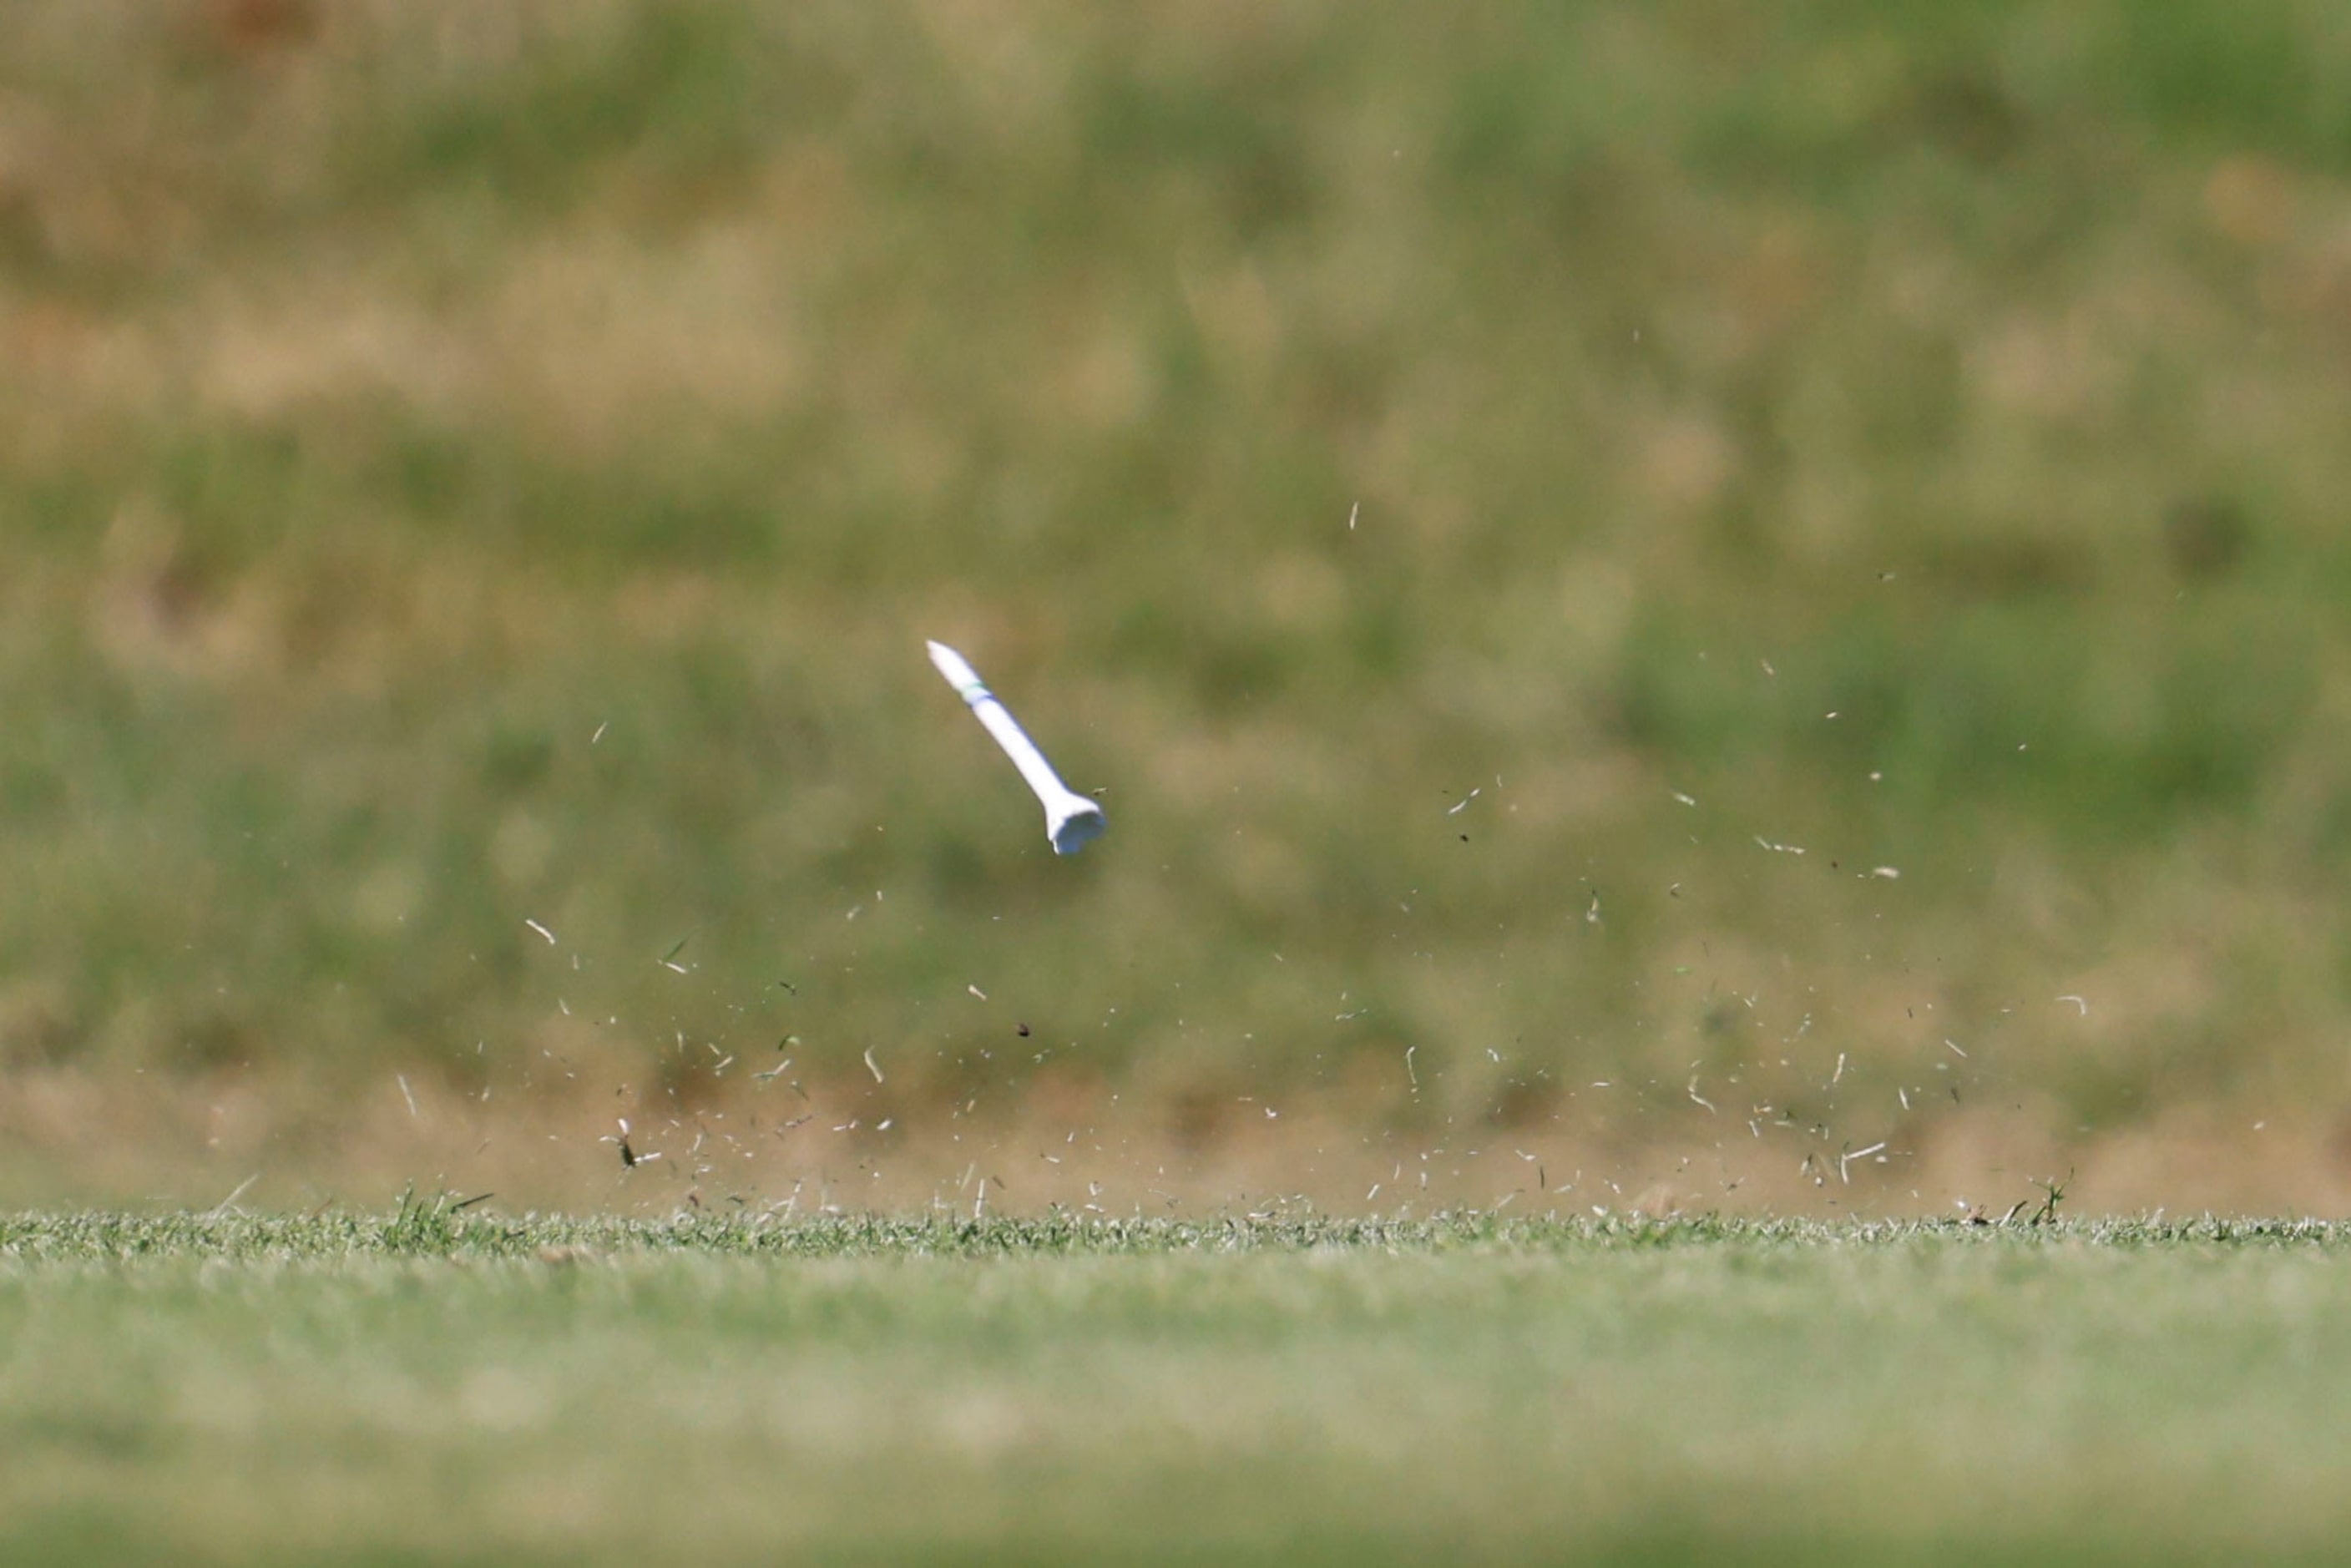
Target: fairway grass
x,y
460,1386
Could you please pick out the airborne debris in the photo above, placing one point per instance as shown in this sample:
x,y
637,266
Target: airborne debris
x,y
239,1191
630,1158
1846,1159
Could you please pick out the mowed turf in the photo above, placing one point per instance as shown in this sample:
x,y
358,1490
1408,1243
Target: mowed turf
x,y
467,1386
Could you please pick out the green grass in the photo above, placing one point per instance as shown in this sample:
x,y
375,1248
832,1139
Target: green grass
x,y
464,464
466,1387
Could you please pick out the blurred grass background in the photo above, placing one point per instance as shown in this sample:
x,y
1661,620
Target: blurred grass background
x,y
464,465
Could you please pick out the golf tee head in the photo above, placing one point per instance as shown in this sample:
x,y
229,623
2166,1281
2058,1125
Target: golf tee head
x,y
1074,824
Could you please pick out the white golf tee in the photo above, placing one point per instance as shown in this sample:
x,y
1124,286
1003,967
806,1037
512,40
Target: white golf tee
x,y
1071,821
